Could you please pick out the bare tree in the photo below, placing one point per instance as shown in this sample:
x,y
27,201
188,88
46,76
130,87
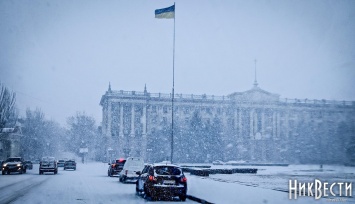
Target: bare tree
x,y
7,106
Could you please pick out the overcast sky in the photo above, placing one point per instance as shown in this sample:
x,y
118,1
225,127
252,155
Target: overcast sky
x,y
61,55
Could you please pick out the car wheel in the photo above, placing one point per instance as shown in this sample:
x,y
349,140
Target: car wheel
x,y
137,190
8,172
40,172
3,172
55,172
182,197
146,192
24,171
21,172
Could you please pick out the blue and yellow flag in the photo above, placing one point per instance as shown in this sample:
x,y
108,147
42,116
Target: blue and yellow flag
x,y
165,12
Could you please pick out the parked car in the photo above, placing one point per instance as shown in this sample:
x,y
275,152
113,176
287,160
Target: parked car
x,y
29,165
48,164
115,167
162,180
132,165
13,164
61,162
70,164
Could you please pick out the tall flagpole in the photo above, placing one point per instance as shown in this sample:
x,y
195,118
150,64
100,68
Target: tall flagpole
x,y
172,98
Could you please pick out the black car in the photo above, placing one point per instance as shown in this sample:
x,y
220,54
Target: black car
x,y
14,164
162,181
70,164
29,164
48,164
115,167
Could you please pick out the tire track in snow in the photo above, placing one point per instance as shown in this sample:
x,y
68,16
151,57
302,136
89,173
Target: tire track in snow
x,y
12,192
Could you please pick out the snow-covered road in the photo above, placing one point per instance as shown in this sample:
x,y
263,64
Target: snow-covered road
x,y
88,184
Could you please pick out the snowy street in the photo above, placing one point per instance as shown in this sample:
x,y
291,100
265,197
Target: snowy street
x,y
88,184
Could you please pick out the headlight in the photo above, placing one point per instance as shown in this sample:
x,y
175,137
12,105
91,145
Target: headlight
x,y
4,165
18,165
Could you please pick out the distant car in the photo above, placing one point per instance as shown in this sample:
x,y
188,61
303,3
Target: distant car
x,y
70,164
161,180
14,164
132,165
29,165
115,167
48,164
60,163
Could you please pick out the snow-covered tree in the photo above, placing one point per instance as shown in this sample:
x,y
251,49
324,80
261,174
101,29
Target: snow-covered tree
x,y
83,133
8,115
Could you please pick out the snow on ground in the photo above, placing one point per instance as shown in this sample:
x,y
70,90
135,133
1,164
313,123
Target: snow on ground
x,y
90,184
269,185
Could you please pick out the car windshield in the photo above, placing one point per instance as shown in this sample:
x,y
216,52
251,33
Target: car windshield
x,y
13,160
167,170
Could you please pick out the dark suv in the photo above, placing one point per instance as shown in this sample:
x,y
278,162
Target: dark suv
x,y
14,164
70,164
115,167
48,164
162,180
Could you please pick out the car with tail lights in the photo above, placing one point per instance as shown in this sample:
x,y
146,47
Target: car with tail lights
x,y
131,166
14,164
157,181
48,164
115,167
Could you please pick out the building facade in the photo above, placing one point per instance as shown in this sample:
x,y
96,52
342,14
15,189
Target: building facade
x,y
254,125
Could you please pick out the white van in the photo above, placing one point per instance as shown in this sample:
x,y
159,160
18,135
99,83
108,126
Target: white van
x,y
132,165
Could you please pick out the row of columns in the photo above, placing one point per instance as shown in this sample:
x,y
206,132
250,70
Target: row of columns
x,y
124,143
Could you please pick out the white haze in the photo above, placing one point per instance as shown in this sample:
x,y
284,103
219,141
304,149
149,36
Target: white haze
x,y
61,55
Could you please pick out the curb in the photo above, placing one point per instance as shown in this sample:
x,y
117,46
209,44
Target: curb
x,y
199,200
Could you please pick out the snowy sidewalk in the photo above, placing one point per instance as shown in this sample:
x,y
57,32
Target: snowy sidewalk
x,y
223,192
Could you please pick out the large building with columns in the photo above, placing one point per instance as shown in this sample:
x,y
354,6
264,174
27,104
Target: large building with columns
x,y
256,125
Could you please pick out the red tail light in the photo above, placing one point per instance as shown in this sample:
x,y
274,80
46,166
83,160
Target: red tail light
x,y
183,179
152,178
